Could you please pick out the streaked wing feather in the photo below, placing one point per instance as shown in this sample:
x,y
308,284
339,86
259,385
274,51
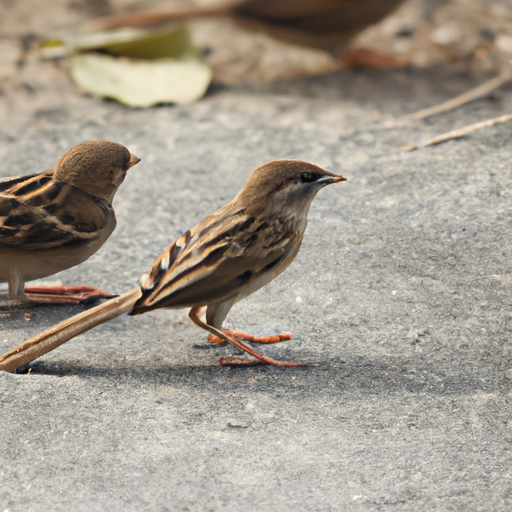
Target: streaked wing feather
x,y
213,261
40,212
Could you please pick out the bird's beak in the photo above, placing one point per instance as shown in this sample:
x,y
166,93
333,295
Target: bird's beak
x,y
331,178
133,160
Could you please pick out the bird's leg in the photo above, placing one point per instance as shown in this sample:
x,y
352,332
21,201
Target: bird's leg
x,y
16,296
16,284
251,338
234,360
65,294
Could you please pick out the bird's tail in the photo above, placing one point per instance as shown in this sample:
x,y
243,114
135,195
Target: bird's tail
x,y
67,329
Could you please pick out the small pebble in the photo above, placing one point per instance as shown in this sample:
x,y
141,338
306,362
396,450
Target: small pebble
x,y
404,32
444,35
504,43
487,33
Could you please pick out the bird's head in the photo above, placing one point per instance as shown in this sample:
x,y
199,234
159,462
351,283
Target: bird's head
x,y
285,186
97,167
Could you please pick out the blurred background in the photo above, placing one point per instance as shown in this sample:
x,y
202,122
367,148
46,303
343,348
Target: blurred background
x,y
239,42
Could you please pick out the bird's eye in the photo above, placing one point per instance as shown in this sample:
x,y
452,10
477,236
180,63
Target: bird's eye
x,y
308,177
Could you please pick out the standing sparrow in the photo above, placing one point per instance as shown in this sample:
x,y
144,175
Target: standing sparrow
x,y
229,255
58,218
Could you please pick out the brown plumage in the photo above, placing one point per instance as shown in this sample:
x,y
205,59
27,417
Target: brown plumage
x,y
237,249
57,219
229,255
324,24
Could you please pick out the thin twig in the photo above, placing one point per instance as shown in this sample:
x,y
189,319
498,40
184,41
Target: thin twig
x,y
472,94
66,330
456,134
144,18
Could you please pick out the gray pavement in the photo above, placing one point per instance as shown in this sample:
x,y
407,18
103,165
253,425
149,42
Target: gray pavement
x,y
399,301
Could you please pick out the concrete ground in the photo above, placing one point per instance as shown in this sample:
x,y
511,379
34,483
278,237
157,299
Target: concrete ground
x,y
399,301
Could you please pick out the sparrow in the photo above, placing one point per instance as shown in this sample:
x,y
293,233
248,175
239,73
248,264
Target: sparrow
x,y
57,219
229,255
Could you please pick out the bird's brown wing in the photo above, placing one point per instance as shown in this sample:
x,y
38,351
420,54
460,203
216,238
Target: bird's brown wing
x,y
40,212
225,255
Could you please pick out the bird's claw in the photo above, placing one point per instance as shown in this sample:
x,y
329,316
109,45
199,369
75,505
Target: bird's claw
x,y
238,361
267,340
65,294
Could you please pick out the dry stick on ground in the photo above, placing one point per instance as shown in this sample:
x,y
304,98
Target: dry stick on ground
x,y
472,94
49,339
461,132
145,18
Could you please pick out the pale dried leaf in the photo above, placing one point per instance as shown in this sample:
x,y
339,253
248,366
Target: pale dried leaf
x,y
139,83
